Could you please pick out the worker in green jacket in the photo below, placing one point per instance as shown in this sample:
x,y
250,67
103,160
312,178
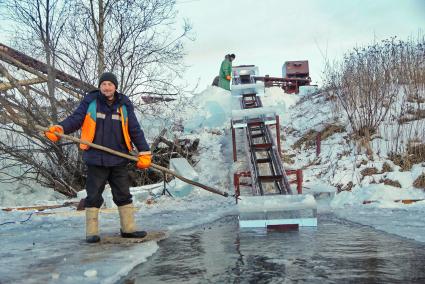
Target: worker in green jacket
x,y
226,72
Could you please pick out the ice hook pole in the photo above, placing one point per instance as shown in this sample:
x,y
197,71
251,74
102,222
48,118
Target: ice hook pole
x,y
133,158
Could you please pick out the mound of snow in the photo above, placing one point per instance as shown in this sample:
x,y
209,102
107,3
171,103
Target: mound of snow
x,y
19,194
384,195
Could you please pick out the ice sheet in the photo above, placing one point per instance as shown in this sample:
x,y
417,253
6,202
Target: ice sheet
x,y
183,168
276,203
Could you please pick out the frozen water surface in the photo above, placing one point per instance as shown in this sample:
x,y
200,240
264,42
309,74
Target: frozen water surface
x,y
335,252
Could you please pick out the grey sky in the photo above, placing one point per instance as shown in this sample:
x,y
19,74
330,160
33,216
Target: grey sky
x,y
267,33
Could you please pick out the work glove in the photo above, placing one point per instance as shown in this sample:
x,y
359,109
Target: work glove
x,y
228,77
145,160
51,133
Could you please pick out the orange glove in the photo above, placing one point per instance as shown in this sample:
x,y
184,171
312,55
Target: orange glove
x,y
51,133
145,160
228,77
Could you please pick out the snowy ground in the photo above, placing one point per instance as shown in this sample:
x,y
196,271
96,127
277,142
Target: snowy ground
x,y
340,162
50,247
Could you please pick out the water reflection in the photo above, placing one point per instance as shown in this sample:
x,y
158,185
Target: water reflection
x,y
335,252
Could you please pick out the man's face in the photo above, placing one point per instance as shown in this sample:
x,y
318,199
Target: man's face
x,y
107,88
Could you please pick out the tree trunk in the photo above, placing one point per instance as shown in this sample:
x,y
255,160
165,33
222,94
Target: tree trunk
x,y
100,40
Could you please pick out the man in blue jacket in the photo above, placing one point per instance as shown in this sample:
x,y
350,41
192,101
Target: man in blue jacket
x,y
106,117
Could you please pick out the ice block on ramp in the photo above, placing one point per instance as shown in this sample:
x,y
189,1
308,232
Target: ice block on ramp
x,y
274,210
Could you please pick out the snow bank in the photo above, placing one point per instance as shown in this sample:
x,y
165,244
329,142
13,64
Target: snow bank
x,y
402,220
384,195
21,194
275,97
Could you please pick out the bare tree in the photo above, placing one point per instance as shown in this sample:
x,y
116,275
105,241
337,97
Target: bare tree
x,y
25,153
135,39
41,24
381,89
365,87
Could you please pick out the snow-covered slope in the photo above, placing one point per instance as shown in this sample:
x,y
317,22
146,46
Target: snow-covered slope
x,y
365,195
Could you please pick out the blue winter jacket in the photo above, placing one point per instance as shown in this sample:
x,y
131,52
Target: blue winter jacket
x,y
108,129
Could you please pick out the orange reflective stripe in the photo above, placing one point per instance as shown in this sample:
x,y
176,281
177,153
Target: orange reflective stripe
x,y
89,125
124,124
88,131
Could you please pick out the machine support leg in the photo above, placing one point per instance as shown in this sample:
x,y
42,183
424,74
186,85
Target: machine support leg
x,y
234,143
278,135
299,174
318,143
237,186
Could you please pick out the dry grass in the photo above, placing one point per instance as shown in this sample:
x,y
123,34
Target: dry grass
x,y
412,116
386,168
403,161
415,154
330,130
287,159
391,182
309,138
369,171
420,182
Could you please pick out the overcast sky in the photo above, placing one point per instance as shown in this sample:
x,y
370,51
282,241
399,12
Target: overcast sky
x,y
269,32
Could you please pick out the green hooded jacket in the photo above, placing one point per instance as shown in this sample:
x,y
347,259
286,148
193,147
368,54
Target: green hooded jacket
x,y
225,70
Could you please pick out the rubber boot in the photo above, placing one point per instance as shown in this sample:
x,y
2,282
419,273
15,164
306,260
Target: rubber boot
x,y
92,225
128,225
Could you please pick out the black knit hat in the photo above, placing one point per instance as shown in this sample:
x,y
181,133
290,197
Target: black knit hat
x,y
232,55
109,76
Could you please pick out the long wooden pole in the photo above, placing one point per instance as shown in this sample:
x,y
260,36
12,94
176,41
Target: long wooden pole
x,y
133,158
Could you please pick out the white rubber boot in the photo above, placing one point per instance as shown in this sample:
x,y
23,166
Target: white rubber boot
x,y
128,225
92,225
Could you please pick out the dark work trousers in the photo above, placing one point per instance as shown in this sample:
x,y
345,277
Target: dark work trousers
x,y
118,179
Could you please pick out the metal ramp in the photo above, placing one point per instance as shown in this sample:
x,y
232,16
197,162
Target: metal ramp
x,y
271,202
265,163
